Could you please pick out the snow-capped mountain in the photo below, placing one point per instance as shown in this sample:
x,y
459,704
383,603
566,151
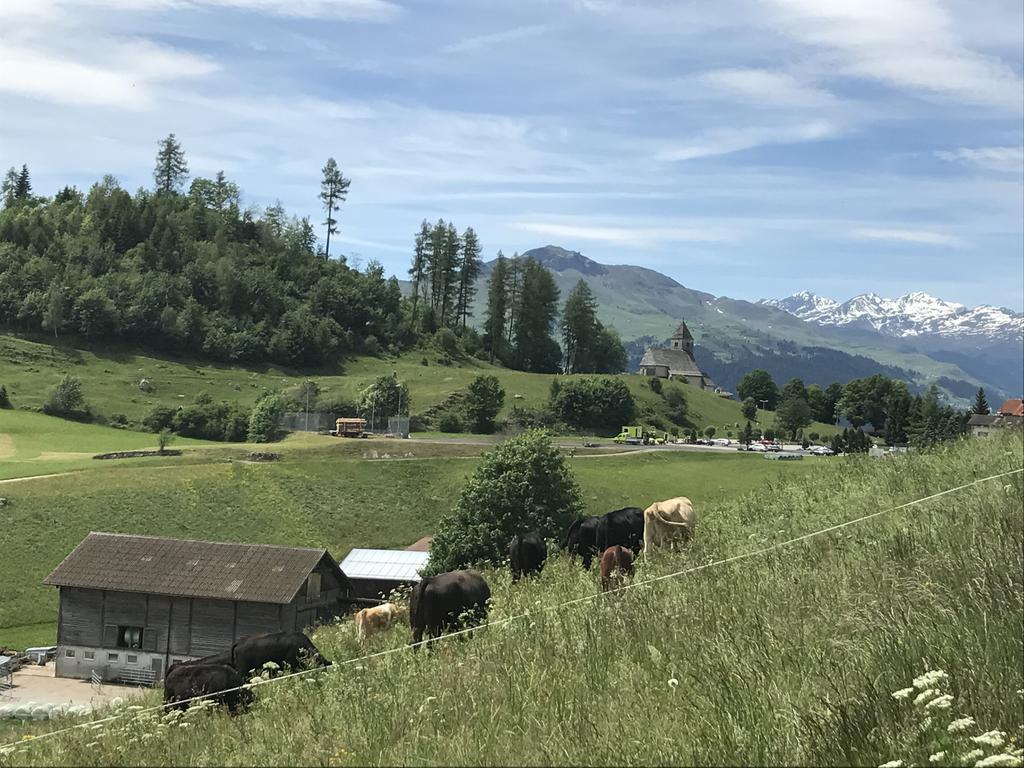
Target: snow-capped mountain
x,y
915,315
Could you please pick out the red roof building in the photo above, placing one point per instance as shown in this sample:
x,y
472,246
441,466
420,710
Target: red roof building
x,y
1012,408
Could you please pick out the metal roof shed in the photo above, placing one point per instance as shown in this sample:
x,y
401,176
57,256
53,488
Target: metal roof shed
x,y
374,573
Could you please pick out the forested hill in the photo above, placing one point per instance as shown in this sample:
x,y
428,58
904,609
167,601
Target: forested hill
x,y
193,271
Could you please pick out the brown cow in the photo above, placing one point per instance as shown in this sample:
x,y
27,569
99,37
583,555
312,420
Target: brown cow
x,y
370,621
616,565
668,521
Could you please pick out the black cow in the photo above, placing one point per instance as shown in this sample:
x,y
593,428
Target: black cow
x,y
527,554
622,527
438,603
220,682
286,649
581,539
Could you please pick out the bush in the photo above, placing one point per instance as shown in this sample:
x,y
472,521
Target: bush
x,y
451,421
655,384
483,401
163,439
5,400
387,396
447,342
523,485
529,418
207,420
265,419
814,436
769,434
678,408
596,403
159,419
65,399
709,432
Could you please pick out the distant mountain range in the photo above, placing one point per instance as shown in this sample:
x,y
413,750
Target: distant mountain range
x,y
917,337
912,316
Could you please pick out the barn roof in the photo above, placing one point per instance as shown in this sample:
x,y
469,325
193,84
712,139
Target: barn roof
x,y
387,564
983,420
258,573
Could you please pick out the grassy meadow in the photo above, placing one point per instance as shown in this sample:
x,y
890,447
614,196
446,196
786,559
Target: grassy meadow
x,y
324,492
110,382
789,658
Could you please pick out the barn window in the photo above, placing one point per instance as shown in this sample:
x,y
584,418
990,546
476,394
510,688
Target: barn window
x,y
313,586
69,653
112,657
129,637
90,655
133,659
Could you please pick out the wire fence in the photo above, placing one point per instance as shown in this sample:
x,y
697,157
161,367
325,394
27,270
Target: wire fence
x,y
522,616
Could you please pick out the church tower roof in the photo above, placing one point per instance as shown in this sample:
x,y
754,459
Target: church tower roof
x,y
682,332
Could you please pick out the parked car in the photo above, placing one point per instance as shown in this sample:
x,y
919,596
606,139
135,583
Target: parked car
x,y
821,450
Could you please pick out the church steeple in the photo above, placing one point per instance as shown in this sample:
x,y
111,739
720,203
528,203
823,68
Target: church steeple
x,y
683,339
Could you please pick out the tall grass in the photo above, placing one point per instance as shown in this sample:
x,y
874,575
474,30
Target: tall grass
x,y
785,658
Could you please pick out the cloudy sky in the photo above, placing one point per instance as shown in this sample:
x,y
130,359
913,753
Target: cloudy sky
x,y
745,148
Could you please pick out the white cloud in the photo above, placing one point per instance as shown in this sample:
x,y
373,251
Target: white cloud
x,y
631,236
111,73
908,44
361,10
728,140
1002,159
766,87
479,42
920,236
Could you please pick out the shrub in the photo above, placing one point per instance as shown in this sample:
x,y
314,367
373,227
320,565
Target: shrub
x,y
5,400
596,403
709,432
338,407
483,401
451,421
655,384
387,396
769,434
814,436
159,419
529,418
65,399
447,342
265,419
207,420
523,485
163,439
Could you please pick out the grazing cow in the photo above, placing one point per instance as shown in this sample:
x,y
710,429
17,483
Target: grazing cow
x,y
616,565
221,682
581,539
527,554
286,649
445,602
370,621
668,521
624,527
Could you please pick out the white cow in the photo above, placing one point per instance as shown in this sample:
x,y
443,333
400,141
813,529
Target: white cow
x,y
668,521
370,621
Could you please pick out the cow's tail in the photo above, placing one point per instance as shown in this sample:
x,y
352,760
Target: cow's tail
x,y
568,532
657,513
416,603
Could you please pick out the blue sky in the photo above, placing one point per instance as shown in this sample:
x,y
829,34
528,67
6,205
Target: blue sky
x,y
746,148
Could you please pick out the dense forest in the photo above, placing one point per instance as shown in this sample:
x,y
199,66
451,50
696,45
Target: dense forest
x,y
184,267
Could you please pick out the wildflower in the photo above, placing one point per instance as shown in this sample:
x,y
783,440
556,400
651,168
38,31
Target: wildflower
x,y
930,679
945,701
92,744
892,764
271,665
185,725
993,739
425,703
923,697
937,757
673,683
902,693
998,760
960,725
974,754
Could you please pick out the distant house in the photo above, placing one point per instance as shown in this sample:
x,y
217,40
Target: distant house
x,y
983,425
676,361
375,573
1014,408
1009,416
132,605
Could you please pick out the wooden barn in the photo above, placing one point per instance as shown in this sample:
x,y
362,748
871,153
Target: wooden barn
x,y
132,605
375,573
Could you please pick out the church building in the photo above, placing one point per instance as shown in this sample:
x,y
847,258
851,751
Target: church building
x,y
676,361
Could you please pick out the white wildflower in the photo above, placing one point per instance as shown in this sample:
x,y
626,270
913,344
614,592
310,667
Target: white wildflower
x,y
945,701
930,679
185,725
892,764
135,708
937,757
673,683
974,754
1001,759
426,703
923,697
902,693
960,725
92,745
991,739
271,665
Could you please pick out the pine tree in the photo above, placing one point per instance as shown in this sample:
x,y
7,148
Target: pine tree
x,y
981,403
535,350
23,186
8,186
495,317
449,271
171,169
420,262
512,290
579,329
748,435
469,271
333,192
436,266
